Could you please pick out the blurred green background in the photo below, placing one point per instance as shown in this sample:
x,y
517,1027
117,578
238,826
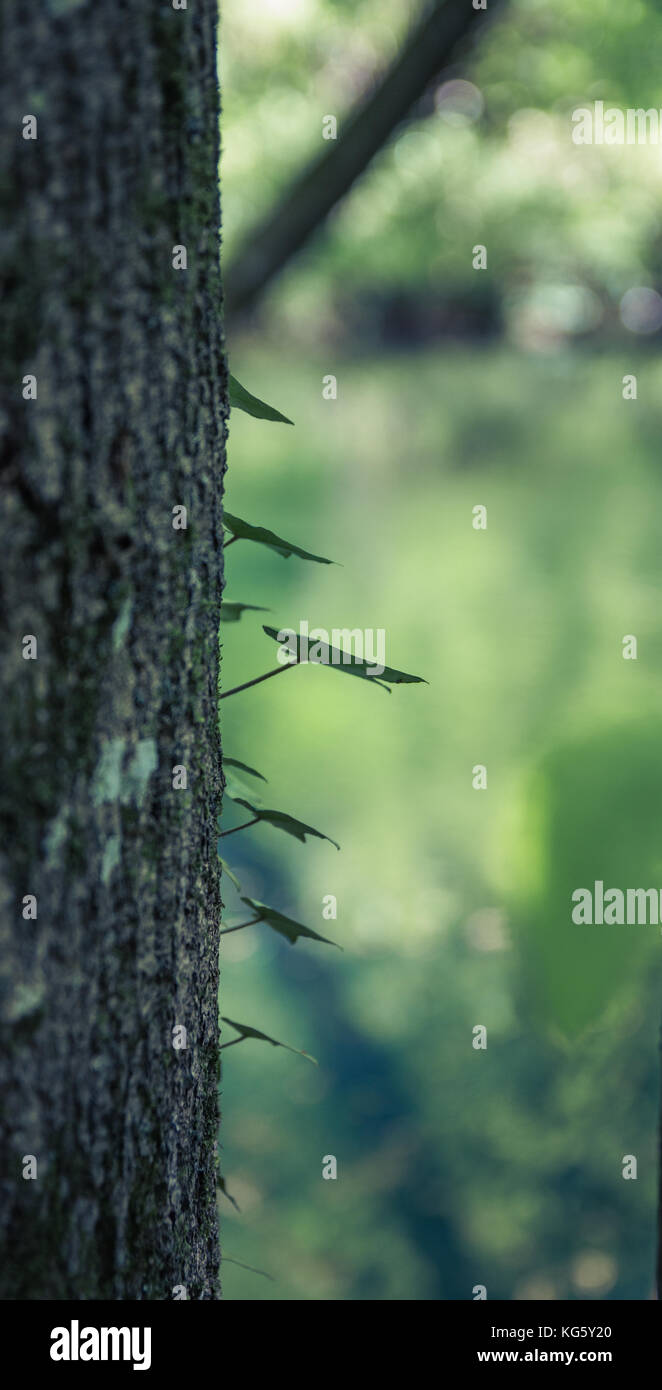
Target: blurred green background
x,y
456,1167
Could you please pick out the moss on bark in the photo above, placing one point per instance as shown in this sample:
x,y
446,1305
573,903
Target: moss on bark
x,y
129,422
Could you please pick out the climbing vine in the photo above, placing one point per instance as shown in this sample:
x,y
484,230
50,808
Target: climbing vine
x,y
298,653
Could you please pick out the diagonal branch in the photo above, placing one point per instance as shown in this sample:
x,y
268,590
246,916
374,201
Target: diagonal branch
x,y
432,45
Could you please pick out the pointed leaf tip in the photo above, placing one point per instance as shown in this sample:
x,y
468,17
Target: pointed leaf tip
x,y
241,399
220,1184
232,612
281,821
244,767
245,531
340,660
225,868
285,925
246,1032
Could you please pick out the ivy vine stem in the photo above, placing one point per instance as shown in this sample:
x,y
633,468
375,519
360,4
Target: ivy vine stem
x,y
225,1259
256,680
244,826
226,930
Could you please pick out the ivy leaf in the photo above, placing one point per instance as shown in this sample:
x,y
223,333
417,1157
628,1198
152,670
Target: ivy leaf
x,y
237,787
246,1032
232,877
220,1183
243,531
234,762
241,399
285,925
280,821
344,661
231,612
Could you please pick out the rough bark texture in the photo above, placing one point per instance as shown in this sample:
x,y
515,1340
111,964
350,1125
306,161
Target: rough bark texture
x,y
129,422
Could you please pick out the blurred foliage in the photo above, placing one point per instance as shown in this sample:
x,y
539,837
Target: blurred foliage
x,y
592,811
488,160
455,1167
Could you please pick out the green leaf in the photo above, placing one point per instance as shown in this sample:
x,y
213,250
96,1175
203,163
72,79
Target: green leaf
x,y
245,532
344,661
231,612
285,925
241,399
280,821
237,787
227,870
246,1032
234,762
220,1183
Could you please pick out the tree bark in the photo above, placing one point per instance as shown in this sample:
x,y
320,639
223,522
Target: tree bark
x,y
128,423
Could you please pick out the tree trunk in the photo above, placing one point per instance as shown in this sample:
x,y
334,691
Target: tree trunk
x,y
123,602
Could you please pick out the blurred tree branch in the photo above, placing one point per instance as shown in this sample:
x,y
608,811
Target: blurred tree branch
x,y
431,46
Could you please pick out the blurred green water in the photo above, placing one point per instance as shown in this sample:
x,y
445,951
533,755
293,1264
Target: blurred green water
x,y
456,1167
